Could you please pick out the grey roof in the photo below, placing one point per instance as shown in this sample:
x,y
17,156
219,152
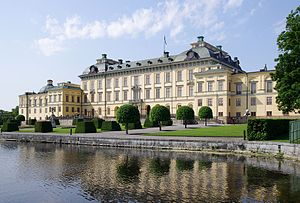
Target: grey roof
x,y
195,53
46,88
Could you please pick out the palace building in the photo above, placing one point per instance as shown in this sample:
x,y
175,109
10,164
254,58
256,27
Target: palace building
x,y
63,100
204,75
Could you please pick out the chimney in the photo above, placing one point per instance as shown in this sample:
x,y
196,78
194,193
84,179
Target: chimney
x,y
200,39
120,61
50,82
104,56
69,82
166,54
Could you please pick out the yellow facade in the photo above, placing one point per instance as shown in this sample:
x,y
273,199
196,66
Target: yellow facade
x,y
63,100
202,76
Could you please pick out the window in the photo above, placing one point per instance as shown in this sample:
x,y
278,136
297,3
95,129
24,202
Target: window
x,y
125,84
220,101
199,102
191,91
239,88
108,95
85,86
41,102
136,80
34,110
210,86
157,78
269,113
253,113
168,92
168,77
92,85
59,97
269,86
85,98
50,99
117,96
253,101
253,87
116,82
209,102
46,110
73,100
147,93
108,111
85,111
67,98
179,91
221,114
100,95
108,83
147,79
46,102
78,99
269,100
67,109
238,114
78,110
54,98
73,109
200,85
190,74
157,93
220,85
228,102
59,109
92,97
99,111
238,102
179,75
99,84
125,95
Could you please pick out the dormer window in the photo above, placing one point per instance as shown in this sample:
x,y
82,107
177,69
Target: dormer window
x,y
149,62
170,59
159,61
119,66
127,65
138,64
111,68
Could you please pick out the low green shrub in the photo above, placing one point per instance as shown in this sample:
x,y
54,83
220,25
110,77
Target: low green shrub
x,y
267,129
85,127
167,123
10,126
149,124
132,126
32,121
98,122
76,120
110,126
43,127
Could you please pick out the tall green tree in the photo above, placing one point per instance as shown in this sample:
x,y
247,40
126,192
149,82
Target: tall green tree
x,y
128,113
205,113
185,113
160,113
287,70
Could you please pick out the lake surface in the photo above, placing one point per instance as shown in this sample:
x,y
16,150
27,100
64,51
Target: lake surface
x,y
53,173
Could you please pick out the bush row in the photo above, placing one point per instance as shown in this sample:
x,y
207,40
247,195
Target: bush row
x,y
267,129
10,126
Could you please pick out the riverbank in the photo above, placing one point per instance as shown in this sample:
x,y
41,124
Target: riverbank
x,y
112,139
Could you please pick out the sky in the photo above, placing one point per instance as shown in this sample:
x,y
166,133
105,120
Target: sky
x,y
58,39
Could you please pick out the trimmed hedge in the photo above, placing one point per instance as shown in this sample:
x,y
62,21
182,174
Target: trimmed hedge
x,y
149,124
76,120
85,127
32,121
167,123
98,122
267,129
110,126
43,126
10,126
132,126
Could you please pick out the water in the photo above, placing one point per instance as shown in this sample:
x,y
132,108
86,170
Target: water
x,y
53,173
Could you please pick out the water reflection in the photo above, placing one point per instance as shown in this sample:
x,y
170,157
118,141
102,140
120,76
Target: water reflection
x,y
77,173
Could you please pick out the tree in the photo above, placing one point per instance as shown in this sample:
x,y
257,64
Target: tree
x,y
185,113
160,113
287,69
15,111
128,114
205,113
20,118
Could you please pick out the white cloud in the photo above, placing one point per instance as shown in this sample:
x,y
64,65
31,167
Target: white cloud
x,y
172,16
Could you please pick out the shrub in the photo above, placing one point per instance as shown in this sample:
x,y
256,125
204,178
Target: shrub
x,y
149,124
267,129
110,126
76,120
43,127
128,114
85,127
10,126
167,123
160,113
185,113
98,122
32,121
205,113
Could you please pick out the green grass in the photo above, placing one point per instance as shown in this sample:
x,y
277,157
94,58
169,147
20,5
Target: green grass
x,y
216,131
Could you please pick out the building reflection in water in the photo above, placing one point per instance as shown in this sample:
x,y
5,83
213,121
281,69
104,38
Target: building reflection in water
x,y
141,175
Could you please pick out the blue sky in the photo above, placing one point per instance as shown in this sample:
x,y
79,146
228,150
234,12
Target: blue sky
x,y
58,39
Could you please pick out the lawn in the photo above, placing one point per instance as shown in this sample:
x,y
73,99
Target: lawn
x,y
214,131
